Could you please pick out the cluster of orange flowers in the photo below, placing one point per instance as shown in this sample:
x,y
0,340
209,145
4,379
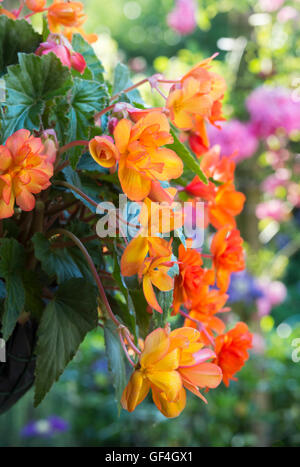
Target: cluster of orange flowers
x,y
170,361
63,17
137,152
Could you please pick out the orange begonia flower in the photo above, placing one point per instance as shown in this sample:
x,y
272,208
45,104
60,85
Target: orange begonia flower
x,y
191,277
186,101
36,5
90,38
228,255
197,98
24,170
103,151
154,271
223,201
231,349
208,303
221,169
68,14
142,159
169,363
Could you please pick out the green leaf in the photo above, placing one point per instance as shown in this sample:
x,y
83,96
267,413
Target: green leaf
x,y
116,358
187,158
63,263
122,81
30,86
90,188
15,36
12,263
88,98
65,322
93,63
33,294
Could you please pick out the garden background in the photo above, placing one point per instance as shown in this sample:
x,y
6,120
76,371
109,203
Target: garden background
x,y
259,55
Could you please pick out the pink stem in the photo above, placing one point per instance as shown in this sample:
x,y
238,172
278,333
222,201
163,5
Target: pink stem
x,y
201,326
72,145
125,349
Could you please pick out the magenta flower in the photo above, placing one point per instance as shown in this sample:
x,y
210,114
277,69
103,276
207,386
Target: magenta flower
x,y
183,18
235,138
61,47
274,294
271,109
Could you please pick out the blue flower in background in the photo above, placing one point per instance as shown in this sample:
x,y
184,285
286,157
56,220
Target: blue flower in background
x,y
244,288
45,428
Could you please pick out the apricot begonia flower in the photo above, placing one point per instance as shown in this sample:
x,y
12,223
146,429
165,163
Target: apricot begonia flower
x,y
231,349
154,218
68,14
197,98
24,170
190,278
169,363
142,157
154,271
104,151
36,5
228,255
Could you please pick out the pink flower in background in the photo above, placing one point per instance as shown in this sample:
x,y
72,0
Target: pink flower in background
x,y
287,13
258,344
274,294
183,18
272,108
234,138
62,48
274,209
271,5
276,180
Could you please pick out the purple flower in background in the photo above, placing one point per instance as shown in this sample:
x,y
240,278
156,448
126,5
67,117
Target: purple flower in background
x,y
45,428
183,18
274,293
272,108
234,137
271,5
244,288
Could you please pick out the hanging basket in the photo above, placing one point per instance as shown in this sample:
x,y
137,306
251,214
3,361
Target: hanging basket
x,y
17,373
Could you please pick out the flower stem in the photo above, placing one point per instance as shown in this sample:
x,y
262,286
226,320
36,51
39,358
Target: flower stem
x,y
72,145
93,269
131,88
77,190
201,327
